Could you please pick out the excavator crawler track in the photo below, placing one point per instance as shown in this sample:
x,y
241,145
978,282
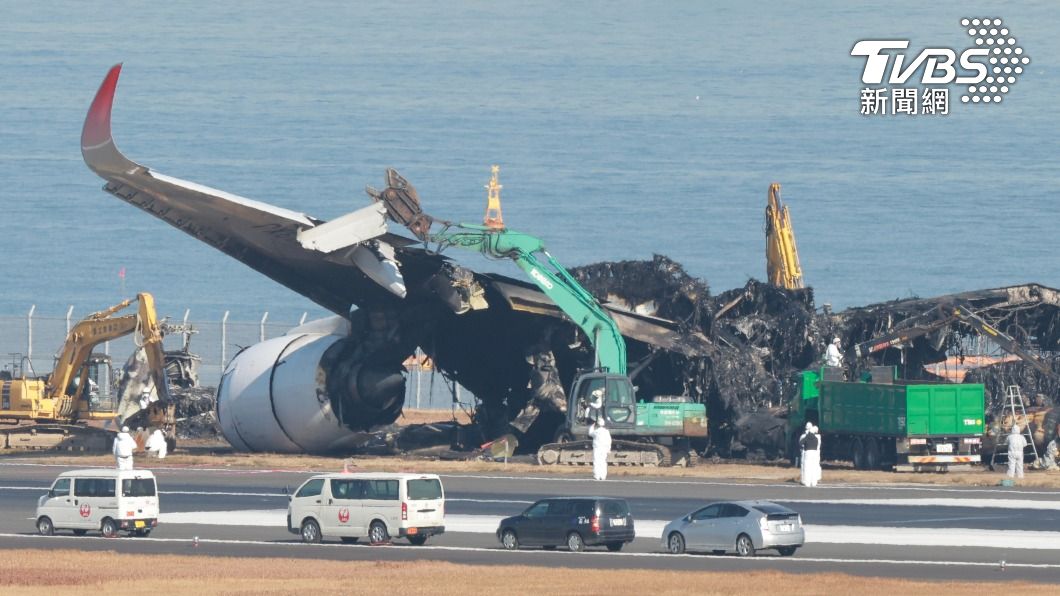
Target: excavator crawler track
x,y
623,453
62,437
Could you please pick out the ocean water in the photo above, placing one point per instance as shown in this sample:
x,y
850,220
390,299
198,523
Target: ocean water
x,y
622,129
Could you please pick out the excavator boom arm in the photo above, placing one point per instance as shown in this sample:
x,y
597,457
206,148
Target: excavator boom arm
x,y
553,279
782,257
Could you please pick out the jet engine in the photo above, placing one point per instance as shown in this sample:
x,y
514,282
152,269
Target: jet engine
x,y
307,392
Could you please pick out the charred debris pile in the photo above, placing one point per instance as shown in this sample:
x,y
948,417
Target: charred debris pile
x,y
761,335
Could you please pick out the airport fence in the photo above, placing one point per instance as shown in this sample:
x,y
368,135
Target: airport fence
x,y
30,343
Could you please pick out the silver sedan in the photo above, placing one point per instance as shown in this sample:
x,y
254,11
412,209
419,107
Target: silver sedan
x,y
741,526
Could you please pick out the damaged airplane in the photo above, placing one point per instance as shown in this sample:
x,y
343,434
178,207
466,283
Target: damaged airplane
x,y
319,387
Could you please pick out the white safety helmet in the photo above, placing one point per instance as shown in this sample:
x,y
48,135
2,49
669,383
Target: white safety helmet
x,y
125,429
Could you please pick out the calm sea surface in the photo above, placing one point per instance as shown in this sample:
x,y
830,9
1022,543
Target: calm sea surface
x,y
622,129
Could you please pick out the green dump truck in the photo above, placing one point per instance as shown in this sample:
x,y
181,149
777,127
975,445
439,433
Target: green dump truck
x,y
882,422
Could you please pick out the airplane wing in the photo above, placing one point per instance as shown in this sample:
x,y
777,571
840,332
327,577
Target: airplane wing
x,y
336,264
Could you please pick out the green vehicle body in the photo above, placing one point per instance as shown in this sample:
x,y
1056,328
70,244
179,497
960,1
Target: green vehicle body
x,y
875,424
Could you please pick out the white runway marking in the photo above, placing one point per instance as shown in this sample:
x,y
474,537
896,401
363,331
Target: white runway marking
x,y
1030,504
563,554
879,535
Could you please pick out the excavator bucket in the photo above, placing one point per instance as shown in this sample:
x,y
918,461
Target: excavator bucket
x,y
403,204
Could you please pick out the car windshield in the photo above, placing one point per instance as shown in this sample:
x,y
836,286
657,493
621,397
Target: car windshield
x,y
614,508
138,487
428,488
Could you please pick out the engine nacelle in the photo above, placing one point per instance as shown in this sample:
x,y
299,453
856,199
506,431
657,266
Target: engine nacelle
x,y
306,393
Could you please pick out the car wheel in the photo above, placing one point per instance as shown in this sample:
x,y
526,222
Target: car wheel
x,y
348,539
575,542
377,533
45,526
675,543
615,546
311,532
109,528
744,546
787,551
418,540
509,540
80,532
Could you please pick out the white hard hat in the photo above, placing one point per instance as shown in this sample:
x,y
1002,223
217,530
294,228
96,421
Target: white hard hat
x,y
125,429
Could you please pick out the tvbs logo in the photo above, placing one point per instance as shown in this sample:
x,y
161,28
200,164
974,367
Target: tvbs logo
x,y
989,67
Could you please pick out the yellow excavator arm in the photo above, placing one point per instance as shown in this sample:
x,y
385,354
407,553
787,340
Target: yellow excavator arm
x,y
782,257
97,328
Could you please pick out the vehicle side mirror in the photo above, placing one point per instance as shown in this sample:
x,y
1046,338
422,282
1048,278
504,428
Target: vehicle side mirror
x,y
51,494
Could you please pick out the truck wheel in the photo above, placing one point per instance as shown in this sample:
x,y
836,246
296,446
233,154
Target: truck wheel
x,y
109,528
858,450
418,540
310,532
872,454
575,542
45,526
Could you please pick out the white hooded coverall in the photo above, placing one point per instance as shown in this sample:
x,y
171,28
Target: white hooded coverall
x,y
832,356
601,447
124,445
157,443
1016,444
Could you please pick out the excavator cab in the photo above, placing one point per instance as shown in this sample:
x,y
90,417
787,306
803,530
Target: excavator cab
x,y
619,403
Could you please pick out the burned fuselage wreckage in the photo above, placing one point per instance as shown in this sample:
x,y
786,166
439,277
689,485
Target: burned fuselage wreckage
x,y
318,388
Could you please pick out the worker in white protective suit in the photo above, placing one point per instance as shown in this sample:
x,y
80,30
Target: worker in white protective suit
x,y
1052,453
1016,444
600,435
832,356
156,443
124,445
810,446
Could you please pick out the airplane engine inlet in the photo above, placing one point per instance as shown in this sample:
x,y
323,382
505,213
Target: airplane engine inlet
x,y
306,392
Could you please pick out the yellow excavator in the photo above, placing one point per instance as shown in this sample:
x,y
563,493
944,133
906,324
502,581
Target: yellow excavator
x,y
62,410
782,258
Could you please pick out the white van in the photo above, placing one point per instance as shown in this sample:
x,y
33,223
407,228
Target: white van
x,y
373,506
107,500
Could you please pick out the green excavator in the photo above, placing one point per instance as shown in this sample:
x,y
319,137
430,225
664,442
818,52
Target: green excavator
x,y
655,432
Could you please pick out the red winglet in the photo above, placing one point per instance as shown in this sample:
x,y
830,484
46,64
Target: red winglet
x,y
97,123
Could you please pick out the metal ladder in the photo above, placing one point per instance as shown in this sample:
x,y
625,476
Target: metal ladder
x,y
1013,400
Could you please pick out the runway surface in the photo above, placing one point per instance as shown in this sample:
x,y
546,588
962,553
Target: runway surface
x,y
912,531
